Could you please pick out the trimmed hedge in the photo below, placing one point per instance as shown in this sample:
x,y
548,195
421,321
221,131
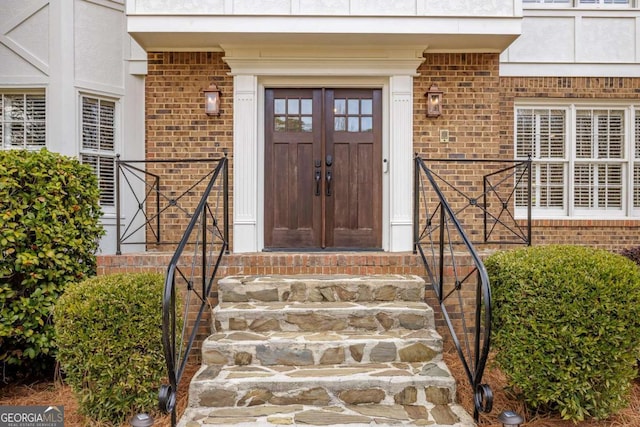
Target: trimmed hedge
x,y
109,331
567,327
49,232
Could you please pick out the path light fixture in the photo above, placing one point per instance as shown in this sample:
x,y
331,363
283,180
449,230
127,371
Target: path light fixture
x,y
510,419
212,100
434,101
141,420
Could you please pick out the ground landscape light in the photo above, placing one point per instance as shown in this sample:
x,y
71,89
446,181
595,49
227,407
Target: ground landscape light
x,y
142,420
212,100
510,419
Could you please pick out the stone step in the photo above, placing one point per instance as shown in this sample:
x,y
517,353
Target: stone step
x,y
316,288
425,384
322,316
321,348
364,415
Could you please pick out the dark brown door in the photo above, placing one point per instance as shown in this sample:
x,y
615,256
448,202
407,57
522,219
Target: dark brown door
x,y
323,161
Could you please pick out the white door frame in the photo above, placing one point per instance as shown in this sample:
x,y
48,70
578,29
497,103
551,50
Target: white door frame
x,y
255,69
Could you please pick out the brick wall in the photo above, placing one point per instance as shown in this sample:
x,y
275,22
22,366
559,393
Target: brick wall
x,y
614,234
478,114
178,128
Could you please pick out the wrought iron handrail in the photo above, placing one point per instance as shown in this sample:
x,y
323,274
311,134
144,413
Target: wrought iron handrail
x,y
152,202
436,240
209,243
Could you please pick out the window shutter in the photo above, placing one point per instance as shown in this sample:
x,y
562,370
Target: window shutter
x,y
90,124
636,164
107,120
584,135
98,144
23,121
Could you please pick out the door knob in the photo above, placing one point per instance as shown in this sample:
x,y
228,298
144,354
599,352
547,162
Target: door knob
x,y
329,160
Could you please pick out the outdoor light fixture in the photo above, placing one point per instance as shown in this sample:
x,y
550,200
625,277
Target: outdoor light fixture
x,y
434,101
510,419
142,420
212,100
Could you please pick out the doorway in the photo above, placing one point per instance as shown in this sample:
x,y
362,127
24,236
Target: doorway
x,y
323,169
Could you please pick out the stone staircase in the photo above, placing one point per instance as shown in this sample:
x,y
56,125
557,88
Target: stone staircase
x,y
323,350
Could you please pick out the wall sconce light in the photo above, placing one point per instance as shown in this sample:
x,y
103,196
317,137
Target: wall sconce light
x,y
434,101
510,419
212,100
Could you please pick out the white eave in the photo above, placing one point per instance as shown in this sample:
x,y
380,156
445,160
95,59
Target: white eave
x,y
434,34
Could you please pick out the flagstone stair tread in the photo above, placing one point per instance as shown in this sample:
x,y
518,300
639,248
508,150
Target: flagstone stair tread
x,y
234,386
349,415
392,287
323,350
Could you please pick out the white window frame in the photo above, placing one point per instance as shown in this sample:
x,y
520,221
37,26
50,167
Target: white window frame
x,y
4,110
99,152
580,4
629,160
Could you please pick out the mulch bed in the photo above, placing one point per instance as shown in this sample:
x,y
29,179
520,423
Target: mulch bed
x,y
57,393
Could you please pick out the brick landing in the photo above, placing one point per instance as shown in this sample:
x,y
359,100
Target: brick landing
x,y
264,263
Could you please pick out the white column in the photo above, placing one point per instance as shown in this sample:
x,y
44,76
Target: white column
x,y
61,94
401,163
245,163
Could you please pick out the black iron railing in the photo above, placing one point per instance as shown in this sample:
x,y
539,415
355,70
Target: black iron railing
x,y
189,279
159,196
452,262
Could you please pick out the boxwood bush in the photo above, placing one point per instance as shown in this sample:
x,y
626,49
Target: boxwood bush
x,y
49,231
110,344
567,327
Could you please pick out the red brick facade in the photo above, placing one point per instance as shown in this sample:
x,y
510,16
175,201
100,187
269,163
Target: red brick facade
x,y
478,113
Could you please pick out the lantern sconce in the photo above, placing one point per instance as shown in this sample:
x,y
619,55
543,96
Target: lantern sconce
x,y
434,101
212,100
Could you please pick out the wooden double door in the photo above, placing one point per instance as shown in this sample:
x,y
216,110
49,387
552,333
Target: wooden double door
x,y
323,169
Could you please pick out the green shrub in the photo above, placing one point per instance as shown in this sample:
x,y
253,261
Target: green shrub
x,y
567,327
110,344
49,231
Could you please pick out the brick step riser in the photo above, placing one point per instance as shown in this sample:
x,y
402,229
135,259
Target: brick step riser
x,y
308,320
347,352
340,288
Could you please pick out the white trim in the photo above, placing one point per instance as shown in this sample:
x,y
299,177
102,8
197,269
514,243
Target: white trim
x,y
253,72
572,106
563,69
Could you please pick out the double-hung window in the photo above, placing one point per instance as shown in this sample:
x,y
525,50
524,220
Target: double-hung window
x,y
584,164
22,120
98,124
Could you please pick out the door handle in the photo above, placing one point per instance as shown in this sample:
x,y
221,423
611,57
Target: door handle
x,y
329,183
318,176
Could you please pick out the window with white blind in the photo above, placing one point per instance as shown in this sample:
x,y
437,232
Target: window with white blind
x,y
22,121
582,164
98,122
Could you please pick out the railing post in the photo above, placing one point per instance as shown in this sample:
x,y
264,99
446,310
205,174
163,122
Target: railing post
x,y
158,207
226,201
416,203
441,251
204,251
118,237
529,199
484,207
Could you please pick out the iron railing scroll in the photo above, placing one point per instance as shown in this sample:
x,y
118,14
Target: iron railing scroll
x,y
190,276
454,266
